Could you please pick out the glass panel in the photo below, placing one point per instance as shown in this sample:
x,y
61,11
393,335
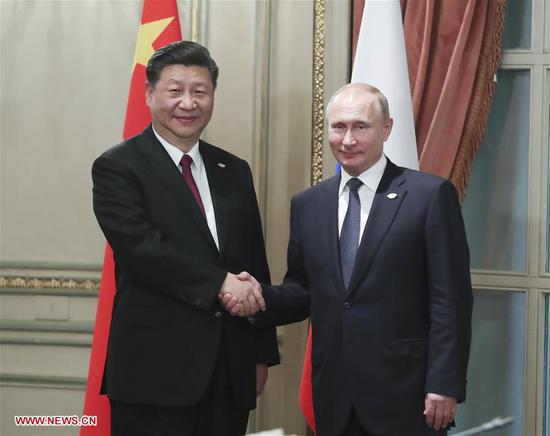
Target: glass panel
x,y
517,24
548,209
497,363
547,369
495,209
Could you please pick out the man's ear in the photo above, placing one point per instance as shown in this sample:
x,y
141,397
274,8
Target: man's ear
x,y
149,89
388,124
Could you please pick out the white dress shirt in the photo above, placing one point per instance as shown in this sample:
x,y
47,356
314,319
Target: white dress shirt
x,y
371,179
201,180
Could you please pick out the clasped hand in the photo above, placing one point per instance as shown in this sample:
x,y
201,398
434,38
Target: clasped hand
x,y
241,295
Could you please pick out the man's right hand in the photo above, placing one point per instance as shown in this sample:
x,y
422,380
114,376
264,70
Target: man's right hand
x,y
241,295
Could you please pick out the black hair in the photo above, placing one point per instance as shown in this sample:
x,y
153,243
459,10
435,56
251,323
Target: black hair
x,y
186,53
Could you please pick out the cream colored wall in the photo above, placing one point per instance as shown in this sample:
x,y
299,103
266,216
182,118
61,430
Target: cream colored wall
x,y
289,139
64,72
65,69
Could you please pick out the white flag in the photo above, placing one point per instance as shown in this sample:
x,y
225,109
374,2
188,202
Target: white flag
x,y
381,61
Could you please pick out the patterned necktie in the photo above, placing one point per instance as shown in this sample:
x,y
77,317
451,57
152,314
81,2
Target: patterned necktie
x,y
349,236
185,163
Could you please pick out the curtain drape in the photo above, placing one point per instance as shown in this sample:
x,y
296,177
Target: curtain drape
x,y
453,52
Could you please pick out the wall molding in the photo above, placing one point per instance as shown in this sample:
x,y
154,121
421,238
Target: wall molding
x,y
47,265
261,94
42,381
318,91
62,292
42,283
46,326
72,343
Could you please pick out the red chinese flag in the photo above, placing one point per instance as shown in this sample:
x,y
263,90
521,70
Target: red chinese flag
x,y
159,26
306,393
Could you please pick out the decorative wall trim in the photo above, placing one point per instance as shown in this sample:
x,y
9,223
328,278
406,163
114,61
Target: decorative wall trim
x,y
46,326
46,265
78,343
194,20
62,292
41,381
48,283
318,92
260,125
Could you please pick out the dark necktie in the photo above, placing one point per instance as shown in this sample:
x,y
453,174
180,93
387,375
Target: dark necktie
x,y
349,236
188,177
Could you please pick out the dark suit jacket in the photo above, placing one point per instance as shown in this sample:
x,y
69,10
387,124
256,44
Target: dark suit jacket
x,y
402,328
167,325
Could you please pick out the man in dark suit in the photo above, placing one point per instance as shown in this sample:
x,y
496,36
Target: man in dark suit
x,y
378,259
182,218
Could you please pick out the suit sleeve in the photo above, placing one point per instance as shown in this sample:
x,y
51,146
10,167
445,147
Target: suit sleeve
x,y
289,302
450,295
150,259
267,349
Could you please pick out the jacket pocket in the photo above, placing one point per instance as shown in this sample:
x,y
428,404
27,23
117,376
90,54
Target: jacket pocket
x,y
409,348
153,316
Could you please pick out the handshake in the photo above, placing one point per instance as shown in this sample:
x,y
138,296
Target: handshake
x,y
241,295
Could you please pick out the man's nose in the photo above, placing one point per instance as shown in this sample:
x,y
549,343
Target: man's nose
x,y
348,140
187,102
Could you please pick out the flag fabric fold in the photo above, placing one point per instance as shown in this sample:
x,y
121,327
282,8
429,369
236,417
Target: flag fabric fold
x,y
381,61
159,26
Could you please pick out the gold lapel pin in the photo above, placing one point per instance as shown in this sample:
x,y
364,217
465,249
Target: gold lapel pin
x,y
221,165
392,195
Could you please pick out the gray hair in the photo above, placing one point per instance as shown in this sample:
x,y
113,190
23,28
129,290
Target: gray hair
x,y
381,105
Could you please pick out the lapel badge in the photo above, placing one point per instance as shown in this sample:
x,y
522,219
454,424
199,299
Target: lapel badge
x,y
221,164
392,195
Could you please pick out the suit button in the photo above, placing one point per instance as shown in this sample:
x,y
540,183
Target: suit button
x,y
218,314
347,305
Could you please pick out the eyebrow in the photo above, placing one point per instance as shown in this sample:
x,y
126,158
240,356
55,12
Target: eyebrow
x,y
353,122
179,82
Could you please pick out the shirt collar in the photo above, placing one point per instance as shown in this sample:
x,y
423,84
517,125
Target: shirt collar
x,y
370,177
176,154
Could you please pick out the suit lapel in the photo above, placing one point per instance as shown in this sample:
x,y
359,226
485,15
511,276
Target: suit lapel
x,y
381,216
165,169
328,220
218,181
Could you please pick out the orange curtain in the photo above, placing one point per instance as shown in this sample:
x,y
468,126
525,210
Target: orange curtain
x,y
453,51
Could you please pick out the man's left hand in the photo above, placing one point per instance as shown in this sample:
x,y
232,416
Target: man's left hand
x,y
440,410
261,378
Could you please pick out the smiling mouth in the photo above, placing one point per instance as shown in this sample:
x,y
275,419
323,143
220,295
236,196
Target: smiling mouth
x,y
186,120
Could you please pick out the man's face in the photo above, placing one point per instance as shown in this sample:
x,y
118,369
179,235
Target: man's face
x,y
356,130
181,103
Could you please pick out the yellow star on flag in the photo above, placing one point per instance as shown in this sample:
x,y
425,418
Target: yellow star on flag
x,y
147,35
